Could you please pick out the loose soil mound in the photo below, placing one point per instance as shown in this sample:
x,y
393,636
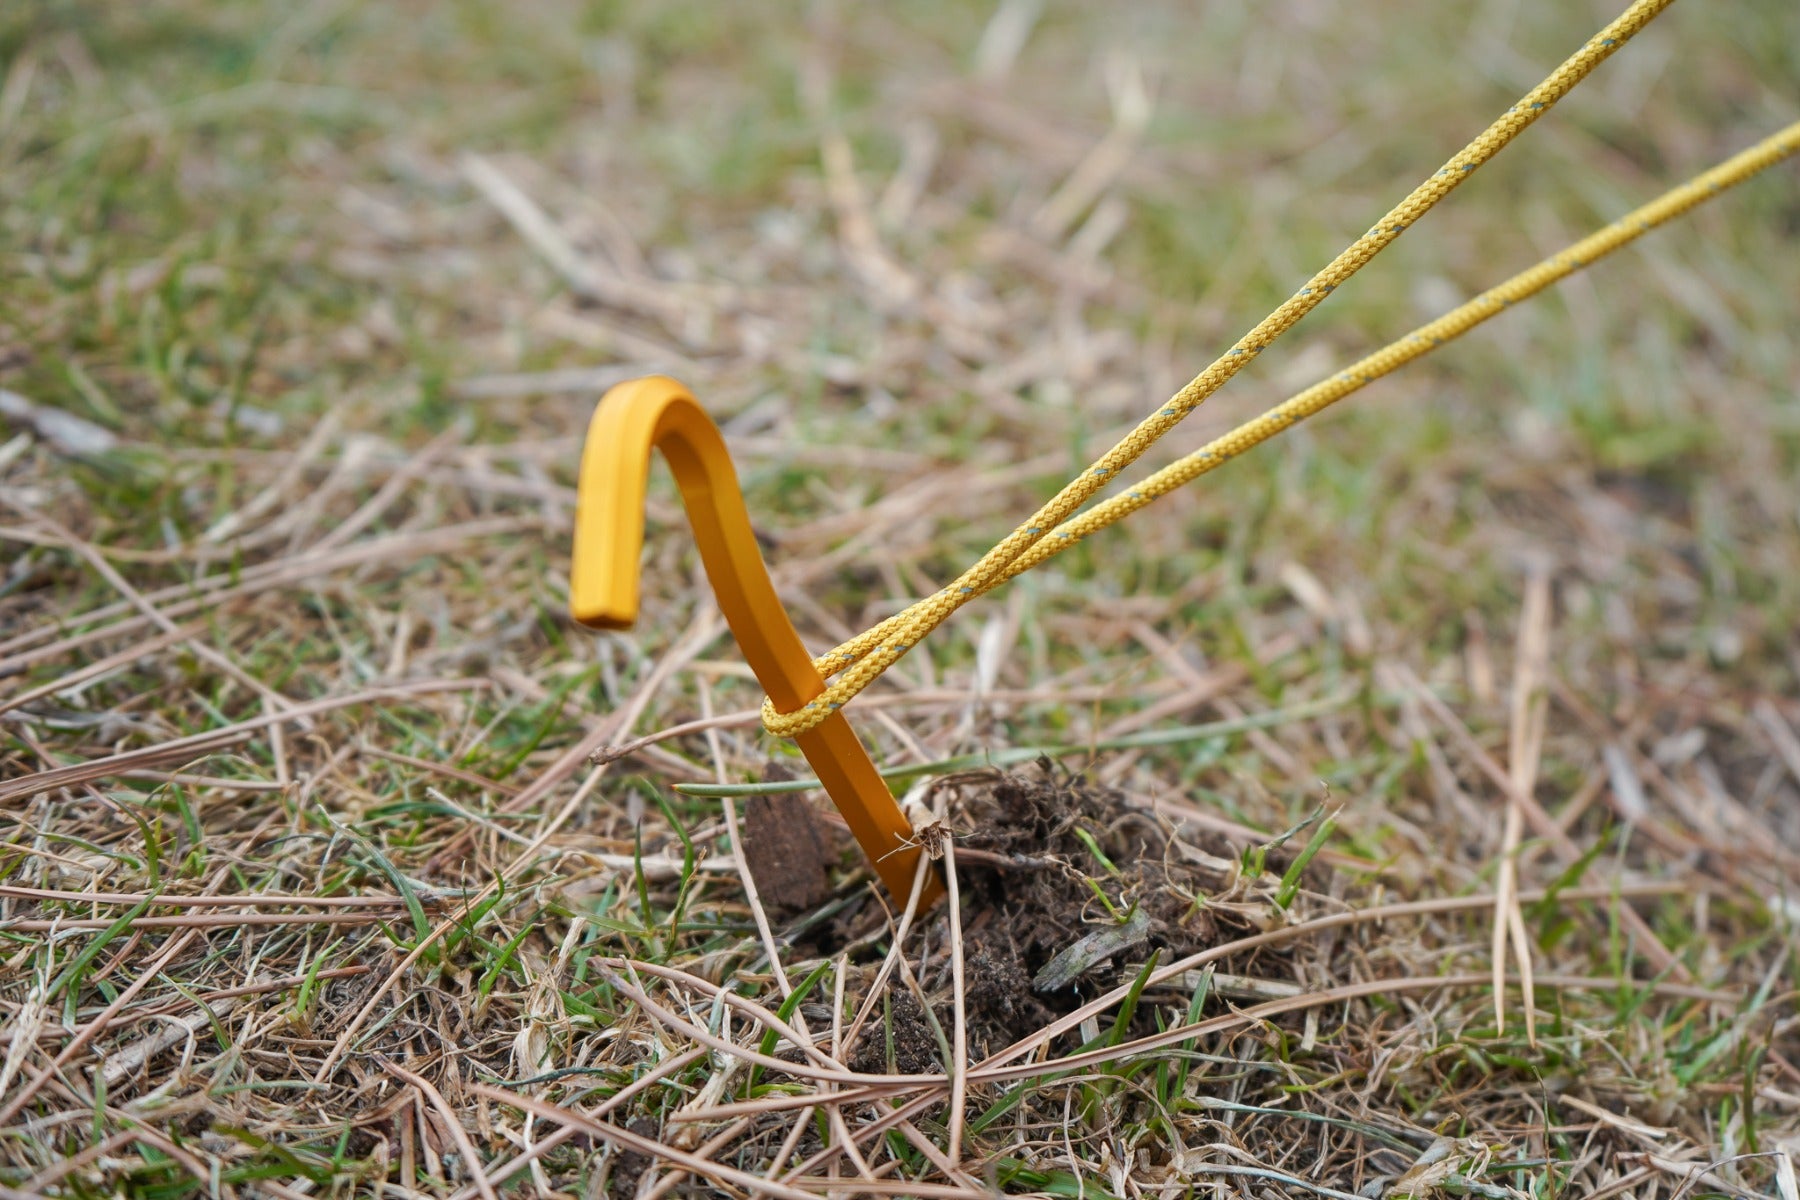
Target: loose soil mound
x,y
1044,860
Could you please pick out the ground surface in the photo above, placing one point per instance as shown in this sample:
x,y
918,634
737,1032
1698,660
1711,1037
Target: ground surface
x,y
307,886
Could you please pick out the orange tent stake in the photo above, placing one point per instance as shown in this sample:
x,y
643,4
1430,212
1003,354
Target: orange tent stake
x,y
659,413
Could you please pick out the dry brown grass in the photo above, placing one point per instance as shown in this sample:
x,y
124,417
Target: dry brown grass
x,y
335,861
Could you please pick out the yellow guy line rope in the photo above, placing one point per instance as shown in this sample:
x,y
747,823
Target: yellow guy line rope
x,y
863,658
1417,344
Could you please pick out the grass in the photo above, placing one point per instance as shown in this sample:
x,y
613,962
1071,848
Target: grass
x,y
409,940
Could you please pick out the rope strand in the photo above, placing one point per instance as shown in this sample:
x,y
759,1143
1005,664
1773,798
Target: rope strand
x,y
1417,344
863,658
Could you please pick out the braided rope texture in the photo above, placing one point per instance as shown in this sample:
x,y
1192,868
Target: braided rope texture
x,y
862,659
1415,345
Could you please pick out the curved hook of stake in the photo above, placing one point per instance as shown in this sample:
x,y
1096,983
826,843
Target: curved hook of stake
x,y
658,413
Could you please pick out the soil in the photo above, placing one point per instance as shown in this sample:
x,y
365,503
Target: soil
x,y
1027,879
915,1046
785,849
631,1164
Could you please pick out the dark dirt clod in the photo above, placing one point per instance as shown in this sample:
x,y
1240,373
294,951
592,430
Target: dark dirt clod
x,y
785,850
915,1046
1001,1005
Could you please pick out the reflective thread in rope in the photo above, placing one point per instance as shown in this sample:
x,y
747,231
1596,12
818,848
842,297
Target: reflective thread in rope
x,y
863,658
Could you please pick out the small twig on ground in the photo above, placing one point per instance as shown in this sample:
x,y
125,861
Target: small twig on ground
x,y
959,1065
1530,701
543,235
